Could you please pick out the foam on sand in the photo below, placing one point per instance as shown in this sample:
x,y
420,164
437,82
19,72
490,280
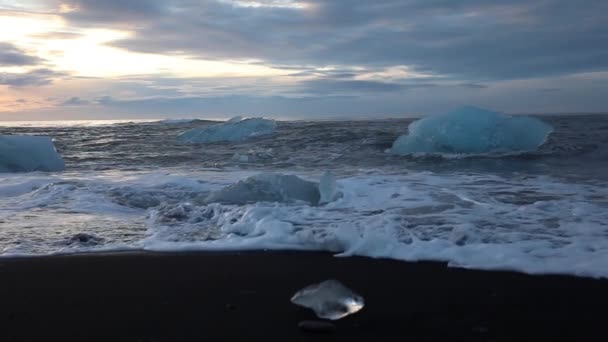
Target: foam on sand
x,y
472,130
20,153
236,129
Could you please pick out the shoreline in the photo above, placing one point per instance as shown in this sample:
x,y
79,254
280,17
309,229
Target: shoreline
x,y
238,296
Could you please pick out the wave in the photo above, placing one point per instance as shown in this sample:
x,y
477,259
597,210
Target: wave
x,y
235,129
534,224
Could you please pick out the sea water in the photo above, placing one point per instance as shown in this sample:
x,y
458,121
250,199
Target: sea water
x,y
135,186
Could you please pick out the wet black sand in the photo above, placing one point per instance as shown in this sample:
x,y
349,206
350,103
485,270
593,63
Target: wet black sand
x,y
245,297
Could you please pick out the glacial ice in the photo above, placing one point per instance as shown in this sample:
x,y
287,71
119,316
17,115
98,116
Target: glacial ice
x,y
329,300
235,129
328,188
21,153
277,187
472,130
268,187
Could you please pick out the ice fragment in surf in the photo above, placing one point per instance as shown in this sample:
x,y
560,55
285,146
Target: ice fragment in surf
x,y
472,130
329,300
328,188
235,129
21,153
268,187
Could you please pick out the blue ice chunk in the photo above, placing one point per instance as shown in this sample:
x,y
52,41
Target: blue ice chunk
x,y
236,129
472,130
24,153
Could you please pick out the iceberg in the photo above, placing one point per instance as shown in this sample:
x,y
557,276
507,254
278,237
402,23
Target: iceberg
x,y
472,130
276,187
235,129
23,153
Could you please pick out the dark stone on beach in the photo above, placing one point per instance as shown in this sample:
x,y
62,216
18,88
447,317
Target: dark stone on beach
x,y
317,326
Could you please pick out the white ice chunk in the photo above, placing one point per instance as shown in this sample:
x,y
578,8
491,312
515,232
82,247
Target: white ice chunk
x,y
236,129
20,153
328,188
329,300
472,130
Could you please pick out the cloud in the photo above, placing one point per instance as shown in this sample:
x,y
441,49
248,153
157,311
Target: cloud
x,y
75,101
470,40
473,85
36,77
114,12
336,86
10,55
60,35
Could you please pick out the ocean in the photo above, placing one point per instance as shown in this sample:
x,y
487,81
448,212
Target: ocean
x,y
133,186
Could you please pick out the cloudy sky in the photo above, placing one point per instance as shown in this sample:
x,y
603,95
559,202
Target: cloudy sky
x,y
113,59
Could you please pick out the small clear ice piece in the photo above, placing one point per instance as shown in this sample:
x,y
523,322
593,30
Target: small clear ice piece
x,y
329,300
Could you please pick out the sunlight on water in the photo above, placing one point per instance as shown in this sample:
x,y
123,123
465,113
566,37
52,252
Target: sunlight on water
x,y
71,123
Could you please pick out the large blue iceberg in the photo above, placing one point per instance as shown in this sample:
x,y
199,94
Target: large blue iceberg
x,y
472,130
236,129
21,153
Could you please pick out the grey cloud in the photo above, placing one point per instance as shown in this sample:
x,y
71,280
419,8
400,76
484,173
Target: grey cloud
x,y
75,101
10,55
104,100
471,39
36,77
312,73
272,106
333,86
473,85
114,12
577,94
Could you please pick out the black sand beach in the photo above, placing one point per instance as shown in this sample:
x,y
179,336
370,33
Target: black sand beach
x,y
245,297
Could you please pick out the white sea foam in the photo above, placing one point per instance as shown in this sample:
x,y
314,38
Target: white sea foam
x,y
534,224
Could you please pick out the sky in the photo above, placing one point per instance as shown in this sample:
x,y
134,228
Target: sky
x,y
308,59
